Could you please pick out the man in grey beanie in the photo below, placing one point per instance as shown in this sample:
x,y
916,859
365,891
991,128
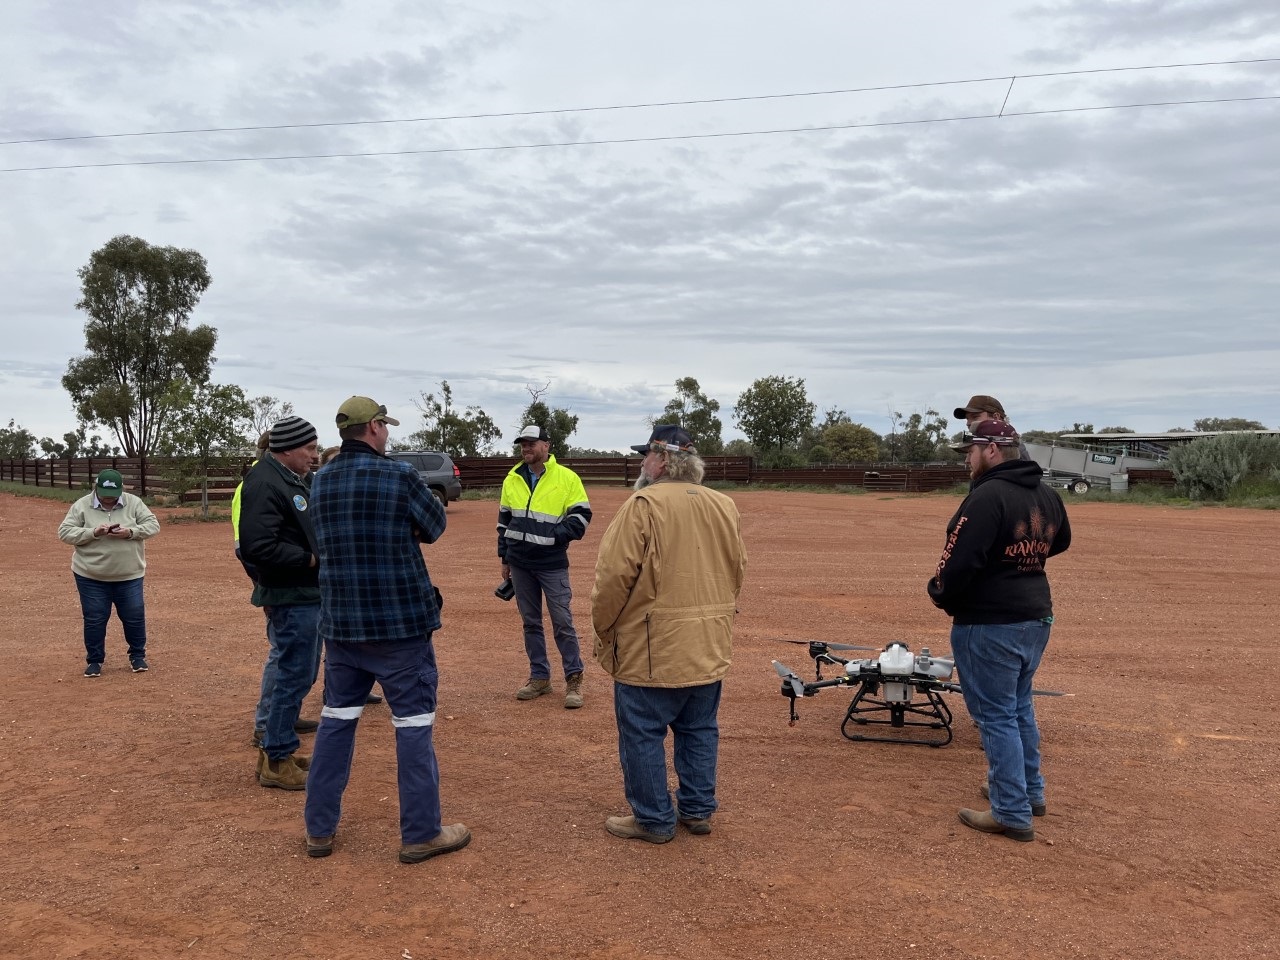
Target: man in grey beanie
x,y
276,536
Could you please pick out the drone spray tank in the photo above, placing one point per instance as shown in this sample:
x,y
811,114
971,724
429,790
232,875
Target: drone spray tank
x,y
897,661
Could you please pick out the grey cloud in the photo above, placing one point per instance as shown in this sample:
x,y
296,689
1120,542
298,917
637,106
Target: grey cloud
x,y
1082,26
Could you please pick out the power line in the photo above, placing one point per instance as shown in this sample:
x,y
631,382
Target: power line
x,y
494,148
633,106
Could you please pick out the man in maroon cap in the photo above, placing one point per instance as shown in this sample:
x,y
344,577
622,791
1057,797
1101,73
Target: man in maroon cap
x,y
991,581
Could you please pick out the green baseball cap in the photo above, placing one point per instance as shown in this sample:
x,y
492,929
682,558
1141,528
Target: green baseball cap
x,y
360,410
109,483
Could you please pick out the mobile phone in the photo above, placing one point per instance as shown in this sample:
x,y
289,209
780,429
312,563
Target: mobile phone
x,y
113,527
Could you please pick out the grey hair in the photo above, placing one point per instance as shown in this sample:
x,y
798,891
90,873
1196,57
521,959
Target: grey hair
x,y
685,467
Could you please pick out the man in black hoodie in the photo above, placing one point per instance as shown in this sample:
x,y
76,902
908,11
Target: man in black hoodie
x,y
991,581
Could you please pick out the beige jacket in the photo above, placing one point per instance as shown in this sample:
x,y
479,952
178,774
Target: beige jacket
x,y
668,576
108,558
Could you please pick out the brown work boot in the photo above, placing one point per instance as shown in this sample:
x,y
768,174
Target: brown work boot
x,y
1037,809
453,837
573,693
984,821
319,846
698,826
533,689
628,829
304,763
285,774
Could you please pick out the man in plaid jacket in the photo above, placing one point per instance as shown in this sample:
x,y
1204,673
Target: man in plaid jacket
x,y
378,610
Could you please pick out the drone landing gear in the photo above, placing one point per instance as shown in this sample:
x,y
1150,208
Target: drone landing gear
x,y
869,707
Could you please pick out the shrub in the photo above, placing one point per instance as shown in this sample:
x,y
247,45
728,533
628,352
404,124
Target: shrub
x,y
1210,469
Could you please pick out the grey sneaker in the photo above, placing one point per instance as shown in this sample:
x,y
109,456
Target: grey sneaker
x,y
573,693
533,689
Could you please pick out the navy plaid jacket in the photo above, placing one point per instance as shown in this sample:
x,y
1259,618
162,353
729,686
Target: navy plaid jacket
x,y
374,584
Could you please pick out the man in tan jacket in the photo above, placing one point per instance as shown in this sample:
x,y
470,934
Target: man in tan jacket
x,y
668,576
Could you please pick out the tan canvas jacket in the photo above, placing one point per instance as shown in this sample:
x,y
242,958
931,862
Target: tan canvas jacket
x,y
668,576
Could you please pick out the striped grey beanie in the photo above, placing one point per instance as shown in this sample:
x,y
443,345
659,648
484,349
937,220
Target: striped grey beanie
x,y
291,433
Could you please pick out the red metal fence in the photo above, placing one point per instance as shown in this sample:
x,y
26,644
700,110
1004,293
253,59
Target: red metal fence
x,y
148,477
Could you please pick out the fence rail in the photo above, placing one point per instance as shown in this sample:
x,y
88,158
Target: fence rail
x,y
148,476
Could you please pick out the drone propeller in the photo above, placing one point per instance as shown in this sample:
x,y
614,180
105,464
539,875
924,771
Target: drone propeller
x,y
955,688
797,685
832,646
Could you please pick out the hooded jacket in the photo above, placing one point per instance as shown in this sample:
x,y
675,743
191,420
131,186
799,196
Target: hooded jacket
x,y
992,568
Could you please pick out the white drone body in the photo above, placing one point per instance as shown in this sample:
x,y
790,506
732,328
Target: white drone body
x,y
897,661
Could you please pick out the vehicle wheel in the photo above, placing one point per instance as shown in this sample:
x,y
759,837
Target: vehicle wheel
x,y
444,501
1079,486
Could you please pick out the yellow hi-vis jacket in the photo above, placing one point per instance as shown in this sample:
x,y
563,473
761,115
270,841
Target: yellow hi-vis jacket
x,y
538,521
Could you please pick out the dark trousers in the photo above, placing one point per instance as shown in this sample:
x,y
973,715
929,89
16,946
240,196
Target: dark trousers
x,y
407,672
96,600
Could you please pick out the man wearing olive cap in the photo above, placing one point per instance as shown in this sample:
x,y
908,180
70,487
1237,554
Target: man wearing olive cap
x,y
108,529
378,611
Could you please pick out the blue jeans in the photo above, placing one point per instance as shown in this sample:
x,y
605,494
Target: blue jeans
x,y
644,714
270,670
997,664
531,586
406,669
96,599
292,629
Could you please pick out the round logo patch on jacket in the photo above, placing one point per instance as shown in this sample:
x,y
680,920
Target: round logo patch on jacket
x,y
300,501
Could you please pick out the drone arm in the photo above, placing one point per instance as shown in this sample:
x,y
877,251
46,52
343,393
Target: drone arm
x,y
813,686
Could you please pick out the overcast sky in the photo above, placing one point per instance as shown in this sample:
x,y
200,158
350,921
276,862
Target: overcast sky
x,y
1118,267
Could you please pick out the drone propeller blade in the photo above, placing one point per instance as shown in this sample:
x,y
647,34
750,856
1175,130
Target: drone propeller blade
x,y
789,677
1050,693
828,645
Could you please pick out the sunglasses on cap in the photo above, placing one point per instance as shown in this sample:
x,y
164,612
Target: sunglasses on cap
x,y
969,440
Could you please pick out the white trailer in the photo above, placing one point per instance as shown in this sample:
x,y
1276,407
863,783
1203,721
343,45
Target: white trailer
x,y
1077,467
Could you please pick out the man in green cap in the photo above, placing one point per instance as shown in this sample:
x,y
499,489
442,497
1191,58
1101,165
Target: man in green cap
x,y
108,529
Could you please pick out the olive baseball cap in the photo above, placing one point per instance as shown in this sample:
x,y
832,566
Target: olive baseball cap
x,y
360,410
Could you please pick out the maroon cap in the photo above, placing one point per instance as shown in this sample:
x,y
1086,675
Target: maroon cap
x,y
998,432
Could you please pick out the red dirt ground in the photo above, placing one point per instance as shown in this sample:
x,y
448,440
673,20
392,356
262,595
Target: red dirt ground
x,y
134,828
